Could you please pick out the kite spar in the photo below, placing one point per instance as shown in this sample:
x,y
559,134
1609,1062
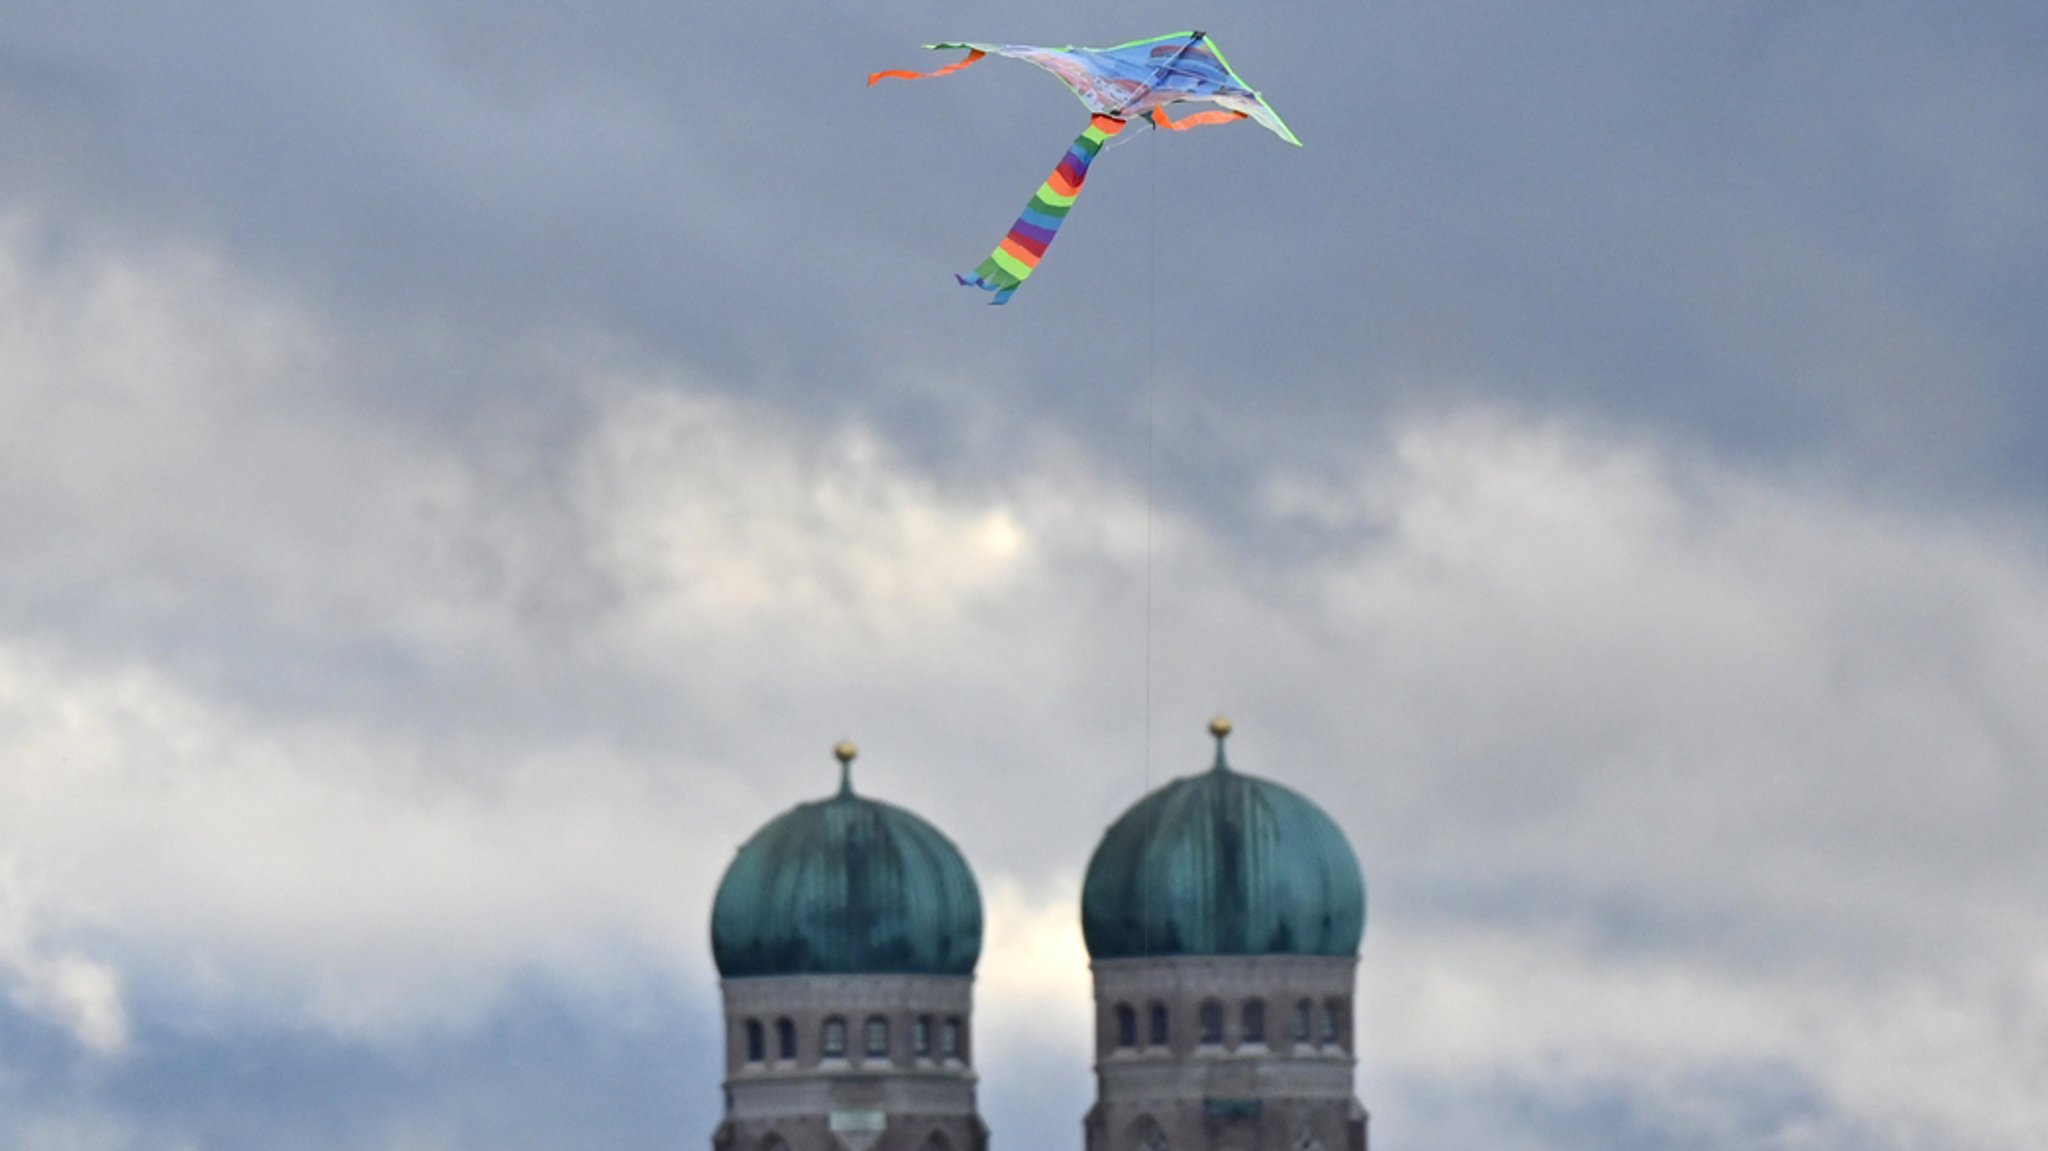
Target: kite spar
x,y
1134,81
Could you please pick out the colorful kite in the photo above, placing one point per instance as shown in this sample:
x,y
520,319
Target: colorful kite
x,y
1134,81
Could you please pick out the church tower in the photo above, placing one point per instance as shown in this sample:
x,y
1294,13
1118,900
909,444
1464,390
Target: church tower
x,y
1223,914
846,933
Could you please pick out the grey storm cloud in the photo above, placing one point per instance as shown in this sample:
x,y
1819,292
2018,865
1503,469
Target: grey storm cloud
x,y
462,465
1788,230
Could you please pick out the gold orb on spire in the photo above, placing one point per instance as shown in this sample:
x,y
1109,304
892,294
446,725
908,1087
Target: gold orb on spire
x,y
1219,727
845,751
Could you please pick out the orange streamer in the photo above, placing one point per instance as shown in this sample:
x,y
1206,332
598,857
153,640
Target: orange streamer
x,y
947,70
1199,119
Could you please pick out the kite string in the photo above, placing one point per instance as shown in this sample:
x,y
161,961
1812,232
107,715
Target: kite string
x,y
1151,377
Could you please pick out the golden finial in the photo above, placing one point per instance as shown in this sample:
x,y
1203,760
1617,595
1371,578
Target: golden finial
x,y
844,750
1220,728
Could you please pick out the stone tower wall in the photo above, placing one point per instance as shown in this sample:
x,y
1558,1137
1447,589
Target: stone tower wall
x,y
1235,1069
895,1098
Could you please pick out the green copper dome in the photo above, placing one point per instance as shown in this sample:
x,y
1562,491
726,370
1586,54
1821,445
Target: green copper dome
x,y
846,885
1222,863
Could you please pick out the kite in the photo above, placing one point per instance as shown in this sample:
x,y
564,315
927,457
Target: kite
x,y
1134,81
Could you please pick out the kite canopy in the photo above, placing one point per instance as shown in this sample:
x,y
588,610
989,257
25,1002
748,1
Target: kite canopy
x,y
1131,81
1134,81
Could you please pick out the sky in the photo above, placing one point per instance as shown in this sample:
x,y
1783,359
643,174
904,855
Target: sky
x,y
463,466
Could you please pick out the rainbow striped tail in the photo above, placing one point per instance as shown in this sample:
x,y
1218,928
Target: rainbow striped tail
x,y
1014,259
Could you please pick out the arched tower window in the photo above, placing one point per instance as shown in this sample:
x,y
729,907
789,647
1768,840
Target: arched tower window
x,y
1333,1022
951,1040
1160,1034
835,1038
1149,1135
1126,1026
1253,1020
1302,1012
1211,1018
921,1037
757,1041
785,1039
877,1037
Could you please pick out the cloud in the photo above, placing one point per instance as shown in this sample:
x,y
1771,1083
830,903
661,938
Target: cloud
x,y
79,994
1787,221
1034,1009
207,516
332,732
1551,1017
1740,758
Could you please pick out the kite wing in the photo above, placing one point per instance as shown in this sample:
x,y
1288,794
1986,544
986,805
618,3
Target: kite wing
x,y
1133,81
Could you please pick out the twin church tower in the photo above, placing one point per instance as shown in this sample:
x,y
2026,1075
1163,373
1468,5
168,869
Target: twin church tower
x,y
1222,914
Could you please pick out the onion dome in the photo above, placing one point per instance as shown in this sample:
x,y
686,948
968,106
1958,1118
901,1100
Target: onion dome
x,y
846,885
1223,863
